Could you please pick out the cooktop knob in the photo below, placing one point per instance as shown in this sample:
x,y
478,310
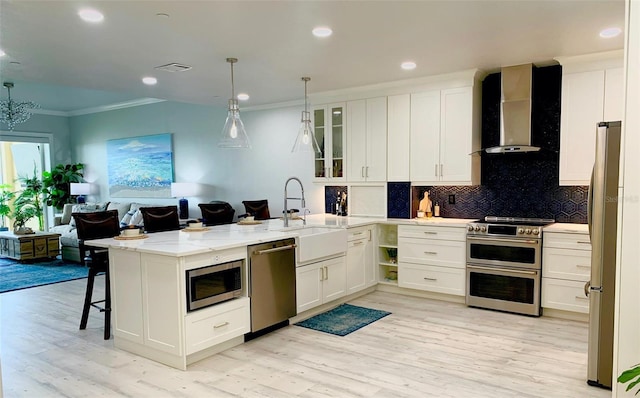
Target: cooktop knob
x,y
470,228
520,230
483,229
527,231
476,228
536,231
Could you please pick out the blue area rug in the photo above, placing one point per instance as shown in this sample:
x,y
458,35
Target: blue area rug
x,y
15,275
343,319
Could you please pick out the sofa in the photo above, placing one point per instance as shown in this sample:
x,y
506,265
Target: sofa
x,y
128,213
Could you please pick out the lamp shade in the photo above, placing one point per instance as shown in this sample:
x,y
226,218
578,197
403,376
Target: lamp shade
x,y
182,189
80,188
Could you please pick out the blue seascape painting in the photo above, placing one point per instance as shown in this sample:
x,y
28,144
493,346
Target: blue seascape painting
x,y
140,167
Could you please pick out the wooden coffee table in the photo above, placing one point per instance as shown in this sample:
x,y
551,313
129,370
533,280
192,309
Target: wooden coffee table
x,y
29,247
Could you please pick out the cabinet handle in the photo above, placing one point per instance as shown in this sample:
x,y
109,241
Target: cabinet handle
x,y
327,269
440,169
582,298
367,173
433,253
358,242
584,242
430,233
362,171
430,279
436,172
583,266
223,324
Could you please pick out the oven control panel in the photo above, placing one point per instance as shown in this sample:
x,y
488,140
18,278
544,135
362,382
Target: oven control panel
x,y
504,230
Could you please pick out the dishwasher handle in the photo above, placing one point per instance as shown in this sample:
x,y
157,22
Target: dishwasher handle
x,y
275,249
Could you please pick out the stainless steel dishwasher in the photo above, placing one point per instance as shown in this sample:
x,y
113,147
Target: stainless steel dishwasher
x,y
272,283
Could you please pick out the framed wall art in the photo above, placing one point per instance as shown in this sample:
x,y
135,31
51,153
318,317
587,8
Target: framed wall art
x,y
140,167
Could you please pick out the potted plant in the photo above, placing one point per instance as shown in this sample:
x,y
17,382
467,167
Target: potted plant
x,y
56,184
631,375
5,197
28,204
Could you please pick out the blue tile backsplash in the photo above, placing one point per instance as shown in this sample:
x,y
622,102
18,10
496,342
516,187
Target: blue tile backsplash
x,y
514,184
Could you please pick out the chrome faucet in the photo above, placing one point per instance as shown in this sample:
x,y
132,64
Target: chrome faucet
x,y
285,217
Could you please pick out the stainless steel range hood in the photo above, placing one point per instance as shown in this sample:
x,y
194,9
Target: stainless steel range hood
x,y
515,110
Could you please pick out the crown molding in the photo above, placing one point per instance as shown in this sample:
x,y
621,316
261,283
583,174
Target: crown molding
x,y
98,109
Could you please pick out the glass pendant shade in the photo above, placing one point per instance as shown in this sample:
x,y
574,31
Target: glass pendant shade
x,y
233,132
15,112
306,140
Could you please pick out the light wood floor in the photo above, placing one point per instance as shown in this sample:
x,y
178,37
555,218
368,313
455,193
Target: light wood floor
x,y
424,349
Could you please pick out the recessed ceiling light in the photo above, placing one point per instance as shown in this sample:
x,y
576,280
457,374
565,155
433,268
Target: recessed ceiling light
x,y
90,15
149,80
322,31
2,53
610,32
408,65
243,96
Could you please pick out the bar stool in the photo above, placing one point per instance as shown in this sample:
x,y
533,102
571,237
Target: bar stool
x,y
160,218
96,225
216,212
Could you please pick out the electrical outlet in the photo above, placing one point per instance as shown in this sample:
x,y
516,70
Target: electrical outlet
x,y
452,199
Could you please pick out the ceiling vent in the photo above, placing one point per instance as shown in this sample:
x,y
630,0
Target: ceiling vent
x,y
174,67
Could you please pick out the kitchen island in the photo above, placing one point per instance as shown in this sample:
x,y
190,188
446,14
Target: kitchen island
x,y
148,284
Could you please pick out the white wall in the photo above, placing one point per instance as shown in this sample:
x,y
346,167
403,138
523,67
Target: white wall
x,y
627,344
231,175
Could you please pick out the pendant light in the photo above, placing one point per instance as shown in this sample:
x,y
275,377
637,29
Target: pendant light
x,y
306,140
233,133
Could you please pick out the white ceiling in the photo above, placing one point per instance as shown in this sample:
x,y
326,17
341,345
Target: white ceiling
x,y
67,65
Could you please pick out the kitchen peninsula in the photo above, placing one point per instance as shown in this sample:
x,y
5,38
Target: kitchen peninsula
x,y
148,284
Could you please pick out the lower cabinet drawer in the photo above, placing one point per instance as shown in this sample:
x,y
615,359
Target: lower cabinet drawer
x,y
564,295
444,253
566,264
432,278
217,324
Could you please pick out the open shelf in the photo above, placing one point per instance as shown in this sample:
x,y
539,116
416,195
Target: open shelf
x,y
388,254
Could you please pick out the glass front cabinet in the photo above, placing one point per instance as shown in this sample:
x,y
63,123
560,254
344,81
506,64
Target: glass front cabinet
x,y
328,124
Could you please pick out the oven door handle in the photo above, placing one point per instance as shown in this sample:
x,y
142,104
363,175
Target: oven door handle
x,y
502,240
510,270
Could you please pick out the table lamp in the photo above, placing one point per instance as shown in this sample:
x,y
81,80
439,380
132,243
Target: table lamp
x,y
81,189
182,189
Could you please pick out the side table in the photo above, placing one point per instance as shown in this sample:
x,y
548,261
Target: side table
x,y
29,247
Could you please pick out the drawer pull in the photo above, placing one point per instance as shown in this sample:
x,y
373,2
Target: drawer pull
x,y
583,266
358,243
582,298
223,324
432,253
430,233
430,279
584,242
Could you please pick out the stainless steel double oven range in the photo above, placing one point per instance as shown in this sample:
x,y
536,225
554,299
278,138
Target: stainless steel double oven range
x,y
504,264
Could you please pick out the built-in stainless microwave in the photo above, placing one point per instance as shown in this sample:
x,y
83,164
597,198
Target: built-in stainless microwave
x,y
213,284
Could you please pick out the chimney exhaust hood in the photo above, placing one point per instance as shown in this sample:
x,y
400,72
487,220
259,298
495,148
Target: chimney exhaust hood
x,y
515,110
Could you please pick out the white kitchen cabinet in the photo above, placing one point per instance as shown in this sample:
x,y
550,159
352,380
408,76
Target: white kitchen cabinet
x,y
329,130
432,258
320,283
592,92
149,312
398,133
360,264
444,137
387,255
566,268
367,140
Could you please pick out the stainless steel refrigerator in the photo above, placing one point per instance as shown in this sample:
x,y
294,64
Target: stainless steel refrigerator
x,y
603,217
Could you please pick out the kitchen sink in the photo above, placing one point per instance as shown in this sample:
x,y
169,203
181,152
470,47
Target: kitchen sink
x,y
315,243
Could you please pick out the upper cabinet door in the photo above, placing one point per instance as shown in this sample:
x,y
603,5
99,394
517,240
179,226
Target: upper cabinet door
x,y
376,167
356,140
398,128
581,111
455,134
328,124
425,137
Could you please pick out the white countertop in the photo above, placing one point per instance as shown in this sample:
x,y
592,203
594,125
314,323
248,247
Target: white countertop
x,y
567,227
222,237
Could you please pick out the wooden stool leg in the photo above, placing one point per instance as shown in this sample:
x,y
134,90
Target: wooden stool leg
x,y
87,298
107,306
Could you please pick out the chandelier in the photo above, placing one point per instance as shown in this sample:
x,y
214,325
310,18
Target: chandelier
x,y
15,112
